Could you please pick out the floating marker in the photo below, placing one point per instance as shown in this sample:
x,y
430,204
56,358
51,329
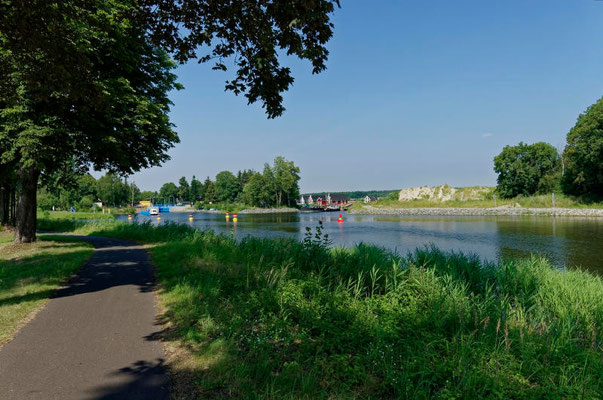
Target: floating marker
x,y
129,217
158,217
340,219
227,215
234,218
190,217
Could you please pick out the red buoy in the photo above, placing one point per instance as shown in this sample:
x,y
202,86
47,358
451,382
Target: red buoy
x,y
340,219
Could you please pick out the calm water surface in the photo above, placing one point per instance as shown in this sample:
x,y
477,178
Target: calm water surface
x,y
565,241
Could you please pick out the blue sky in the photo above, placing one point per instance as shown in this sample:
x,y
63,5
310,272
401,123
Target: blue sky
x,y
415,93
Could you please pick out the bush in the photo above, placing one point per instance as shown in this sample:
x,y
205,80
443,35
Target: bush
x,y
86,203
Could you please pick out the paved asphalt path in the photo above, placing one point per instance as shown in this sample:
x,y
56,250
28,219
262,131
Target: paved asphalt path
x,y
94,338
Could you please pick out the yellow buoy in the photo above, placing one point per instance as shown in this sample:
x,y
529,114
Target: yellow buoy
x,y
158,217
129,217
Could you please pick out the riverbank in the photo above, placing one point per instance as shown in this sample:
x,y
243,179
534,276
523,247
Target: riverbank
x,y
286,319
477,211
282,210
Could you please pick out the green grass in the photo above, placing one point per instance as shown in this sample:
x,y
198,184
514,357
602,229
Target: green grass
x,y
536,201
79,215
281,319
30,273
6,236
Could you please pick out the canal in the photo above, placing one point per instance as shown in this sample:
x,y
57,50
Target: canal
x,y
573,242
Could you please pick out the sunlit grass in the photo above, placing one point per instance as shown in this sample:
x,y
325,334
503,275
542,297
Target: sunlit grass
x,y
78,215
281,319
30,273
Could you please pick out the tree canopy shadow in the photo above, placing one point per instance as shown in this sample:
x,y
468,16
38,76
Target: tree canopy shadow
x,y
142,380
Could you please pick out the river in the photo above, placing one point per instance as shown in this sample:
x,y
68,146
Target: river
x,y
566,241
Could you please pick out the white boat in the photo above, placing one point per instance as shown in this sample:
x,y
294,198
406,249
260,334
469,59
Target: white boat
x,y
153,211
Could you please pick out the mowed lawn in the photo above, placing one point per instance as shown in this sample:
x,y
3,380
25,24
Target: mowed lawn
x,y
31,273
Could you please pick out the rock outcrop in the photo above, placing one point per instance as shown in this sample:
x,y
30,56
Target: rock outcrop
x,y
445,193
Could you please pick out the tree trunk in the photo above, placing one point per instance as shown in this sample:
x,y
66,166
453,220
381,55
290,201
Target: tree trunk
x,y
4,205
7,199
27,186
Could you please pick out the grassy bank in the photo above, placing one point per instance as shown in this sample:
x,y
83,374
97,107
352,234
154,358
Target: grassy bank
x,y
540,201
30,273
276,318
79,215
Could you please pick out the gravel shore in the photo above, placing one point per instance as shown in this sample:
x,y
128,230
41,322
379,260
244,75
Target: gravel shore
x,y
566,212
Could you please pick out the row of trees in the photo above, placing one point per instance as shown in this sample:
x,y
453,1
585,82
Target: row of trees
x,y
277,185
539,168
82,191
87,81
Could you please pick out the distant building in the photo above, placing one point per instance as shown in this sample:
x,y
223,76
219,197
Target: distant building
x,y
369,199
324,201
339,199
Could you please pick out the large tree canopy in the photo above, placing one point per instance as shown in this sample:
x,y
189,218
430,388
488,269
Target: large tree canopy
x,y
584,154
526,169
80,83
253,33
85,84
86,81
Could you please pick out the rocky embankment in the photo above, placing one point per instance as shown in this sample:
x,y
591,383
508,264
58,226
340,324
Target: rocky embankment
x,y
565,212
445,193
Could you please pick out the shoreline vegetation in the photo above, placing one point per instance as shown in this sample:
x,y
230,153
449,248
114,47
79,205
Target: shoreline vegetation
x,y
282,319
477,200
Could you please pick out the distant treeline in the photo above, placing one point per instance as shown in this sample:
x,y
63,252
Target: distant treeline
x,y
358,194
69,189
277,185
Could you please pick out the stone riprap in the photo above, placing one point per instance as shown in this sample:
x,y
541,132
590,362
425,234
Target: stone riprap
x,y
565,212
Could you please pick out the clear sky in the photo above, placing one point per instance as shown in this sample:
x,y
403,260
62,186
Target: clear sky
x,y
416,92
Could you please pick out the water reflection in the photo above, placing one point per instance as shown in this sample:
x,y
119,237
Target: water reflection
x,y
566,241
